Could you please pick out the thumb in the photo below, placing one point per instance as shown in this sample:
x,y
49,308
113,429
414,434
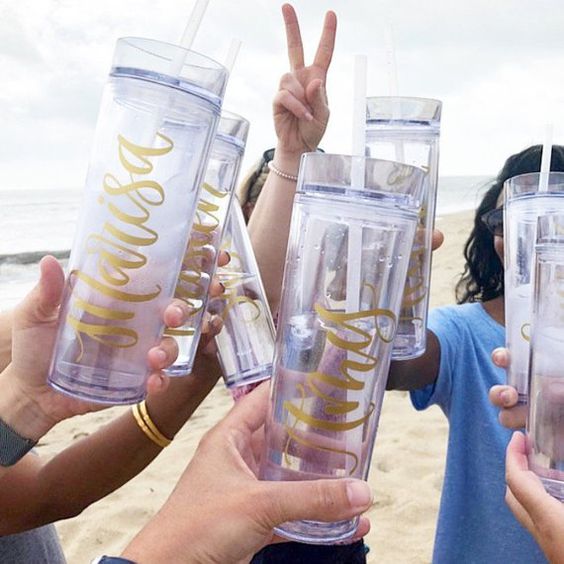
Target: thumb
x,y
319,500
317,99
41,305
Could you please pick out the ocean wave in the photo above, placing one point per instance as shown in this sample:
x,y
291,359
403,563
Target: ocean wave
x,y
31,257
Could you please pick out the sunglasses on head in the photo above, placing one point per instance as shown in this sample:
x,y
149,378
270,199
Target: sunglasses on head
x,y
493,220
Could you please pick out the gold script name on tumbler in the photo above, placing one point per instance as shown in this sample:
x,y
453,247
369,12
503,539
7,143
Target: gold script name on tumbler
x,y
204,230
359,342
234,278
116,247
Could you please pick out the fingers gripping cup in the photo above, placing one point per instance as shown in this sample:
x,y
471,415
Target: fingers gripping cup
x,y
200,259
407,130
545,422
245,345
524,204
151,146
347,260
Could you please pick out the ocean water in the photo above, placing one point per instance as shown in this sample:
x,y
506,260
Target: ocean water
x,y
37,222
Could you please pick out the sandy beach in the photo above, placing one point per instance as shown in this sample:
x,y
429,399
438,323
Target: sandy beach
x,y
406,474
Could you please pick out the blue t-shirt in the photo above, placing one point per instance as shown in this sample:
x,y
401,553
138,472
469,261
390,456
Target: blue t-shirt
x,y
474,523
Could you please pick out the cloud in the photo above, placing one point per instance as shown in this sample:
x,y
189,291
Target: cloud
x,y
496,66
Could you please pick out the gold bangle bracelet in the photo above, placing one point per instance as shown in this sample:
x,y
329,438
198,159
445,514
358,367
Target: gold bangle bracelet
x,y
151,424
143,426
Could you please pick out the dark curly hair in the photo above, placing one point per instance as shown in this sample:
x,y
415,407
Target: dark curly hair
x,y
482,279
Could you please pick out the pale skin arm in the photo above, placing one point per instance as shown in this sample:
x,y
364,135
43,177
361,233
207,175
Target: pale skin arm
x,y
540,513
33,493
300,114
219,510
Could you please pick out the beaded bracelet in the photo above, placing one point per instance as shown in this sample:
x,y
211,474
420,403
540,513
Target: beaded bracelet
x,y
281,174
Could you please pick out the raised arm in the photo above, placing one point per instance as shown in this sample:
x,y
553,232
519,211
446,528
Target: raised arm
x,y
301,114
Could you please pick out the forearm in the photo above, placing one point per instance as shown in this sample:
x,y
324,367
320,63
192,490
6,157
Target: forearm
x,y
95,466
419,372
270,224
5,338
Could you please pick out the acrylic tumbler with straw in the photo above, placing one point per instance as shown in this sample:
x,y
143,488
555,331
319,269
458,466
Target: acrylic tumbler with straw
x,y
545,422
524,204
407,130
245,345
151,147
331,363
199,264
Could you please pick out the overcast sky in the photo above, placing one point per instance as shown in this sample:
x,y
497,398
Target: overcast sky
x,y
497,65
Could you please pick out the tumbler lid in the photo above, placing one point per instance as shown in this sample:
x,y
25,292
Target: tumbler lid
x,y
233,129
397,110
386,183
154,61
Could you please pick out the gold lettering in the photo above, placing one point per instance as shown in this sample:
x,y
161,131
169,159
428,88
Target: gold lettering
x,y
357,341
115,257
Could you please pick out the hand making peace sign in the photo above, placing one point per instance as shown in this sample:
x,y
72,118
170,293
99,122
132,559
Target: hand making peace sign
x,y
300,107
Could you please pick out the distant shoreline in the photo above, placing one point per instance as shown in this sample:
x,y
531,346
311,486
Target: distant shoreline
x,y
32,257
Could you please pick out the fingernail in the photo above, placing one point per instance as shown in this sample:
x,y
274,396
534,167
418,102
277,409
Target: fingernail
x,y
161,355
359,494
222,287
179,311
505,398
228,256
308,116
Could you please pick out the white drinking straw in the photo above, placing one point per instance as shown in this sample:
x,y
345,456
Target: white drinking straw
x,y
545,160
188,36
178,60
391,62
193,25
354,251
232,53
393,86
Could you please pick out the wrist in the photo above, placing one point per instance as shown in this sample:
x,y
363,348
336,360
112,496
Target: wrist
x,y
19,411
287,161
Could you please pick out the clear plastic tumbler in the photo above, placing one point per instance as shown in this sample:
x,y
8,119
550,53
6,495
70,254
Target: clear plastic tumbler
x,y
153,137
407,130
524,203
199,264
346,265
545,423
245,345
